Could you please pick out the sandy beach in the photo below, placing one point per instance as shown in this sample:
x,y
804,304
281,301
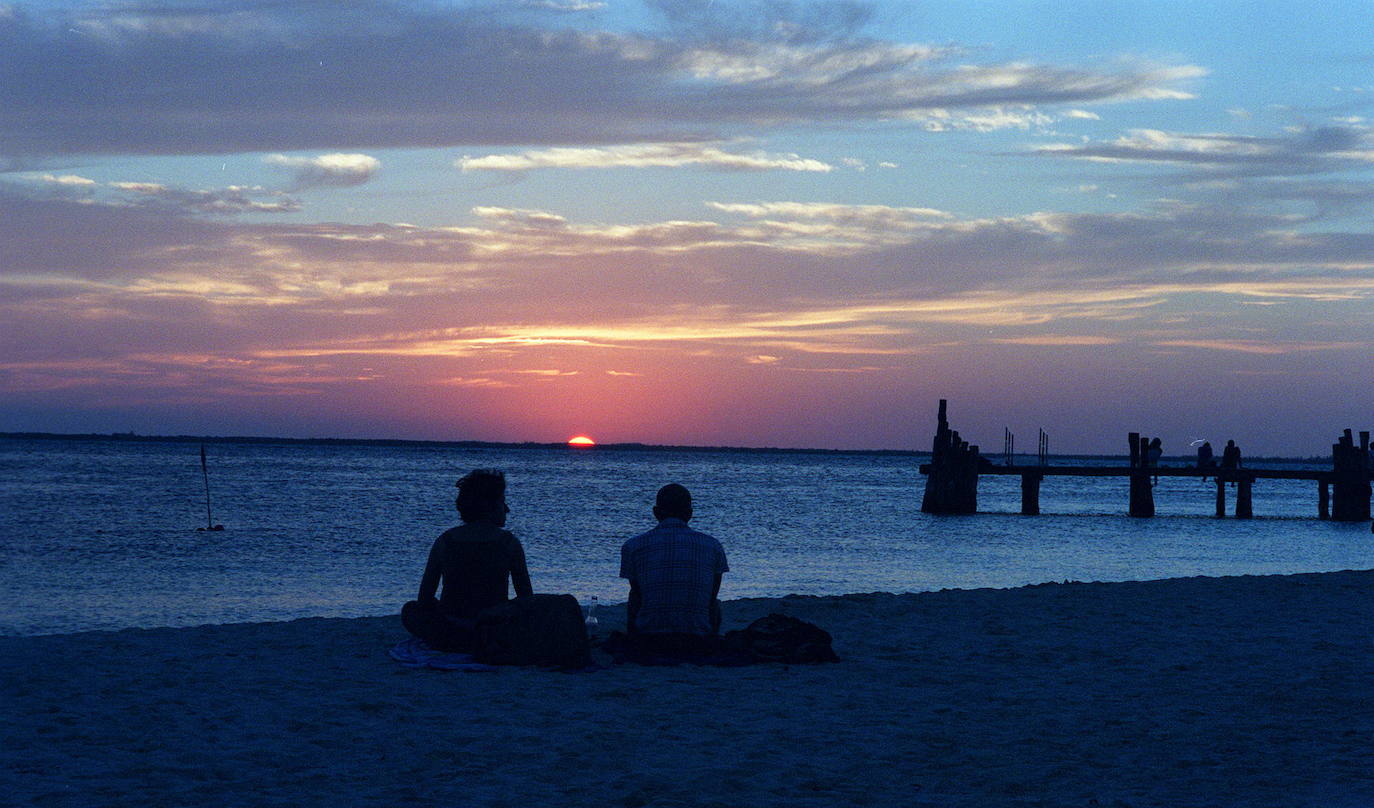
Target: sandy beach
x,y
1188,692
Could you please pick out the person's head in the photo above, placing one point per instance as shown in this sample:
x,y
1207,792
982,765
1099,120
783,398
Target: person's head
x,y
1230,443
482,497
673,501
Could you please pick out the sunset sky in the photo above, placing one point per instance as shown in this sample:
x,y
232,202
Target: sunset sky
x,y
690,222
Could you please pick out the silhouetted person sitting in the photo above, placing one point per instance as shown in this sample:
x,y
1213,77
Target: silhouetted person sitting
x,y
674,574
1205,459
474,561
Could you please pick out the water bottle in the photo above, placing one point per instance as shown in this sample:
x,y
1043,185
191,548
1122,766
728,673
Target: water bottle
x,y
591,617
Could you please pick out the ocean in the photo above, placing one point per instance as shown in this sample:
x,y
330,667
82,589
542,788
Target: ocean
x,y
100,533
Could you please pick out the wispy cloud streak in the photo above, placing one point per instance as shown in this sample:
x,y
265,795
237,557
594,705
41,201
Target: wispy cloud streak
x,y
647,155
1313,150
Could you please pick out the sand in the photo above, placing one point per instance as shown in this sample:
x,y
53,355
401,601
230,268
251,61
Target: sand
x,y
1253,691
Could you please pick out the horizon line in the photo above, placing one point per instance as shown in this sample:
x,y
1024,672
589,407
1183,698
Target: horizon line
x,y
528,444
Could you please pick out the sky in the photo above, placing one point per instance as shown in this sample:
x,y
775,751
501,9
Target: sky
x,y
690,222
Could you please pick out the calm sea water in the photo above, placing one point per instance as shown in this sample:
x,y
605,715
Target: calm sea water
x,y
100,534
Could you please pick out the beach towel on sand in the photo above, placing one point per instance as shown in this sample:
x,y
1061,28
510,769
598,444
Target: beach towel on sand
x,y
413,653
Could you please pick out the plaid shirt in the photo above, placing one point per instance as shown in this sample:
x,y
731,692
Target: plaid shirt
x,y
675,569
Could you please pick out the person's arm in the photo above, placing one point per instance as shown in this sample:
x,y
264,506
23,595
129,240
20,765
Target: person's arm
x,y
429,581
519,572
632,608
715,605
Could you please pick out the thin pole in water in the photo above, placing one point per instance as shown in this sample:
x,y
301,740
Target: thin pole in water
x,y
205,472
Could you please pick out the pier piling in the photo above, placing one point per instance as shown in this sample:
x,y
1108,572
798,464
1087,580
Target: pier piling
x,y
1244,507
1142,493
1030,494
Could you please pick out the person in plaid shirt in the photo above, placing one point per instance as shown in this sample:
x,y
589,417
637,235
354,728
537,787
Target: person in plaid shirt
x,y
674,574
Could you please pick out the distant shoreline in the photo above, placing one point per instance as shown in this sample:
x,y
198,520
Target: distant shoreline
x,y
481,444
438,444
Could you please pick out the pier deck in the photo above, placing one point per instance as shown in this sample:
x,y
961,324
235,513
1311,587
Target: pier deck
x,y
1226,475
1343,491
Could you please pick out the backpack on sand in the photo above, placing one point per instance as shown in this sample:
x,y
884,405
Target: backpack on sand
x,y
780,638
534,630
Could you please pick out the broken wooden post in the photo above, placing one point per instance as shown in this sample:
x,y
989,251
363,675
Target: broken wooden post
x,y
1030,494
1147,488
935,480
1221,498
1142,495
1133,445
966,494
952,484
1350,479
1244,506
1365,489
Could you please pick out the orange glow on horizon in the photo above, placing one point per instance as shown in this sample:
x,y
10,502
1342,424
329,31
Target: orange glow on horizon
x,y
581,440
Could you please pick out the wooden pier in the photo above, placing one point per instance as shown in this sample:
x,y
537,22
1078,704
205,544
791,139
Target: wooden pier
x,y
1343,492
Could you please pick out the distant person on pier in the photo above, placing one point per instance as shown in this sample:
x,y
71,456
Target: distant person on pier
x,y
1205,459
475,562
675,575
1230,456
1152,454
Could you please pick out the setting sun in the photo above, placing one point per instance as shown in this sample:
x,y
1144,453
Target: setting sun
x,y
581,440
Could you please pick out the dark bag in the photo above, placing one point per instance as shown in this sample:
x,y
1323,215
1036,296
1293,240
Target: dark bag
x,y
779,638
534,630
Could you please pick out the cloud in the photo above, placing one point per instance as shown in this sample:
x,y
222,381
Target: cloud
x,y
750,275
69,180
546,372
327,170
229,200
827,210
246,75
1304,151
943,120
134,305
563,7
647,155
1262,347
472,381
1059,340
